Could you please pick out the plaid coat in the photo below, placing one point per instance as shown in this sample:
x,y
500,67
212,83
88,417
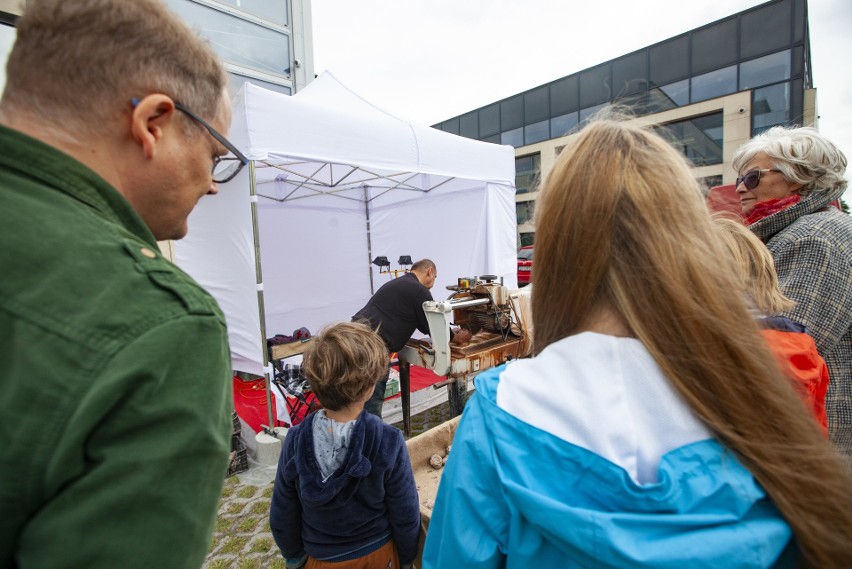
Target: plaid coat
x,y
811,243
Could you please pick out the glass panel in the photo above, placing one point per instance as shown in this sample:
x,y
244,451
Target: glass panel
x,y
512,113
527,239
798,20
715,46
236,40
668,96
489,120
524,212
527,169
272,10
764,70
7,38
536,132
564,97
595,85
493,139
766,29
770,106
469,125
714,84
630,74
586,114
236,82
451,126
562,125
699,139
513,137
536,107
710,182
797,102
798,61
669,61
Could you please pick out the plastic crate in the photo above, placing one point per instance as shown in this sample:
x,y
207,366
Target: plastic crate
x,y
239,462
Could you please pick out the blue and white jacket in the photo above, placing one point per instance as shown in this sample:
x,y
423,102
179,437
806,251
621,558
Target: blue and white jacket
x,y
585,456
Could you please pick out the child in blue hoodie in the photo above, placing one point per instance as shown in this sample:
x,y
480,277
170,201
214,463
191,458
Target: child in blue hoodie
x,y
344,494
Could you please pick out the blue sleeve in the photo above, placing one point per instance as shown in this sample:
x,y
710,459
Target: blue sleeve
x,y
285,512
470,520
402,502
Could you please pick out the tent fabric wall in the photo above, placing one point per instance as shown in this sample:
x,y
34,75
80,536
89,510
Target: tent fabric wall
x,y
326,163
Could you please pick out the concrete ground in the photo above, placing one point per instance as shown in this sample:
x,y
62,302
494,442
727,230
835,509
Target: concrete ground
x,y
242,538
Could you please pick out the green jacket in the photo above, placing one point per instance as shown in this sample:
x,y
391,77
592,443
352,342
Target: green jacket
x,y
115,398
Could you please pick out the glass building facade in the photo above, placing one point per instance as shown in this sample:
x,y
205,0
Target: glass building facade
x,y
763,51
267,42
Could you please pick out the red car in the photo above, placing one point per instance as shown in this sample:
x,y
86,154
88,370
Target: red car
x,y
525,259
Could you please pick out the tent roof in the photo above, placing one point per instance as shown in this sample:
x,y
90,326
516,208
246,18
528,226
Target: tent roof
x,y
327,139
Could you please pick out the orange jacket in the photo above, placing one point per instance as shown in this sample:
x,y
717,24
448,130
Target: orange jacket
x,y
797,355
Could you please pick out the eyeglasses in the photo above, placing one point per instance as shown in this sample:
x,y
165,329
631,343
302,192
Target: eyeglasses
x,y
225,168
752,178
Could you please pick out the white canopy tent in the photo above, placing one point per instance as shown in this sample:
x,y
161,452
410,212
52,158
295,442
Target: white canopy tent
x,y
334,182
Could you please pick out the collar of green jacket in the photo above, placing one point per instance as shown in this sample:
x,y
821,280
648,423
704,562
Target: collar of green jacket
x,y
40,161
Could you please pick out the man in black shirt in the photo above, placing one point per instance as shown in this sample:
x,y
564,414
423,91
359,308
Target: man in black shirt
x,y
395,311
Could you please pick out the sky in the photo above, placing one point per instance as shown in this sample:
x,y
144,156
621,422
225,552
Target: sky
x,y
430,60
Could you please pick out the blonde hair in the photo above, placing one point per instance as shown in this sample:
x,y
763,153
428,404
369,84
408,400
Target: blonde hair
x,y
754,266
343,362
802,154
77,64
622,224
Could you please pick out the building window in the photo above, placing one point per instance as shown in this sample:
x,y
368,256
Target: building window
x,y
236,81
451,126
512,113
669,61
699,139
489,120
668,96
536,106
595,86
524,211
236,40
527,170
714,46
513,137
469,125
770,107
589,112
536,132
562,125
630,74
714,84
564,96
765,70
775,24
272,10
527,239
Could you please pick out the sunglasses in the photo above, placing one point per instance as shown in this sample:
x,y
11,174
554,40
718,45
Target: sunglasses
x,y
752,178
225,168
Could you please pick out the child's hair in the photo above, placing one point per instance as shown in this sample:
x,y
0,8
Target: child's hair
x,y
755,266
343,362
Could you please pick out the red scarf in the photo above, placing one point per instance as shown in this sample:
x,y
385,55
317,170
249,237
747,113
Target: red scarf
x,y
767,208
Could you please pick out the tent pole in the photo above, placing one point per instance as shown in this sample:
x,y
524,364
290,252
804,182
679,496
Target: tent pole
x,y
369,239
260,304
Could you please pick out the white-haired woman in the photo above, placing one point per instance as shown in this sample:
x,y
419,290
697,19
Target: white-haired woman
x,y
788,179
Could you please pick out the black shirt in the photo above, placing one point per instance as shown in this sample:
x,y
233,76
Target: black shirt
x,y
396,310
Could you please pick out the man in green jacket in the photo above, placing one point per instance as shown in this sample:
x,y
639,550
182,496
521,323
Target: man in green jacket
x,y
115,401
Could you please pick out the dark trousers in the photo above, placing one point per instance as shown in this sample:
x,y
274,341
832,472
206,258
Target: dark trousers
x,y
374,403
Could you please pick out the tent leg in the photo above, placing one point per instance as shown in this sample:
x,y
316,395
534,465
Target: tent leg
x,y
405,395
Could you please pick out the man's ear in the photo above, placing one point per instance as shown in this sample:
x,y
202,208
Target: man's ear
x,y
148,120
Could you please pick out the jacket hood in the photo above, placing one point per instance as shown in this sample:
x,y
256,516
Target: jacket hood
x,y
343,483
815,201
593,512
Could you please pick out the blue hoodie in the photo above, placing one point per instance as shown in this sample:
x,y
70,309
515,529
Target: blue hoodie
x,y
515,495
371,498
